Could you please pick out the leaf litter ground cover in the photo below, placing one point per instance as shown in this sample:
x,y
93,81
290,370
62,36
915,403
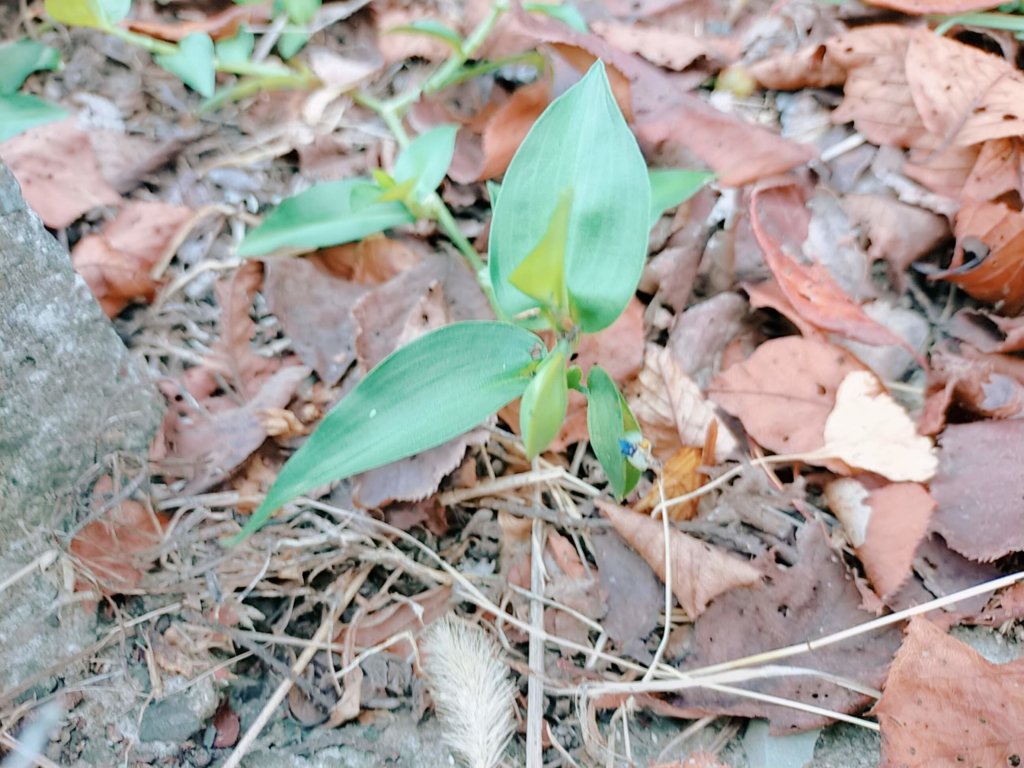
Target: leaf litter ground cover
x,y
823,354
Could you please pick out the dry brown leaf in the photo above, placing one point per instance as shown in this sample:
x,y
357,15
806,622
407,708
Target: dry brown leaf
x,y
700,334
777,212
635,597
979,487
993,233
700,572
58,173
219,26
117,549
877,98
398,46
998,170
940,167
671,408
964,95
509,125
896,232
406,615
810,67
680,474
116,263
885,525
976,386
944,704
669,48
869,430
784,392
989,332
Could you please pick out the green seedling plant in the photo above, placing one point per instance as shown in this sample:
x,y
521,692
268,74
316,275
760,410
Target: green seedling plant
x,y
568,242
21,111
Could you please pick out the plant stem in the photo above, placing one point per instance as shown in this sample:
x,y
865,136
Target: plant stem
x,y
451,228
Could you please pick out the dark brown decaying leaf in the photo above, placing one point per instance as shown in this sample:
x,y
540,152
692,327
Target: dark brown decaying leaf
x,y
784,392
979,487
813,598
944,704
635,597
700,572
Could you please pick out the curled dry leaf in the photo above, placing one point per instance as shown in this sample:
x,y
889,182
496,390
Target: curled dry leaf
x,y
672,410
989,332
979,486
679,475
784,392
700,572
869,430
885,525
56,167
998,170
944,704
117,262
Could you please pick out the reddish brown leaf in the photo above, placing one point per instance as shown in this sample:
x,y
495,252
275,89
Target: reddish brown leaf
x,y
810,67
220,25
680,474
976,386
989,332
993,233
118,548
669,48
939,166
57,170
979,487
998,170
700,572
785,391
409,614
896,232
812,598
810,288
509,125
398,46
228,726
117,262
944,704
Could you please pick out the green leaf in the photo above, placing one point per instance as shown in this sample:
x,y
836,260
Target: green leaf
x,y
427,392
290,43
331,213
580,142
493,188
563,12
672,186
608,420
545,400
21,111
431,28
426,159
193,63
301,11
238,49
541,275
101,14
20,59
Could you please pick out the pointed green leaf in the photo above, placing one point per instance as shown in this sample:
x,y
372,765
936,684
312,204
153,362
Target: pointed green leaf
x,y
291,42
541,275
581,142
426,160
545,400
20,59
671,187
608,420
331,213
101,14
431,28
563,12
193,63
238,49
21,111
427,392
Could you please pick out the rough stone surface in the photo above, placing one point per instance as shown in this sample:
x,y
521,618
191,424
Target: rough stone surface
x,y
179,715
70,397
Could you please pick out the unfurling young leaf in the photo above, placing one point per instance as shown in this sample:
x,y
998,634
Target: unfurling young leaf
x,y
541,275
581,142
434,388
609,421
545,400
426,160
331,213
193,63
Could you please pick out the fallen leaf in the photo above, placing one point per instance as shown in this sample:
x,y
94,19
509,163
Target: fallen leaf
x,y
509,125
124,159
634,596
220,25
116,263
810,288
397,46
869,430
944,704
208,449
58,173
699,335
979,486
700,572
228,725
897,233
410,614
784,392
812,598
117,549
998,170
669,48
679,475
989,332
976,386
945,572
672,410
810,67
885,524
964,95
993,234
940,167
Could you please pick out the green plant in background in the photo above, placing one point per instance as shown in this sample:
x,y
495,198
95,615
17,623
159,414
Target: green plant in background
x,y
21,111
568,242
